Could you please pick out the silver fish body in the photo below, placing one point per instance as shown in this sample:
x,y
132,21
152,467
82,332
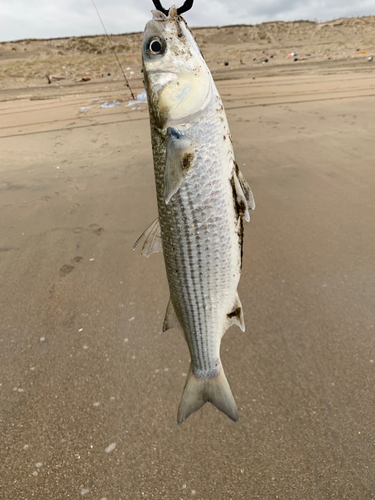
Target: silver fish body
x,y
202,200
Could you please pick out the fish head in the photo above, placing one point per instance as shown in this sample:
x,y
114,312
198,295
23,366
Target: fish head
x,y
178,82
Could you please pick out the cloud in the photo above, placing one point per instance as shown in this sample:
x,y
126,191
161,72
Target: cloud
x,y
48,19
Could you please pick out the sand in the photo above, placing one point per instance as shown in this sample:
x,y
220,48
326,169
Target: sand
x,y
89,384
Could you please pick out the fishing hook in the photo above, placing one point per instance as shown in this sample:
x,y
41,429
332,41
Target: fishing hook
x,y
184,8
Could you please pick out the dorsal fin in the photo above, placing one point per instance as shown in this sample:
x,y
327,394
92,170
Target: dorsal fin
x,y
242,193
235,317
246,189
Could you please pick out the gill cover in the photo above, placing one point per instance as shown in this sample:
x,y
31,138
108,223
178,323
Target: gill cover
x,y
177,78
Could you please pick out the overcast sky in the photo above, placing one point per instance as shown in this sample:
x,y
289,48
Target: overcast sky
x,y
56,18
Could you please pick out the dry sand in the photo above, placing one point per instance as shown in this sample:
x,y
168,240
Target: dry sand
x,y
89,386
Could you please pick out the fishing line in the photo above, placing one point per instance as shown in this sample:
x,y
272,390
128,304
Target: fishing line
x,y
113,49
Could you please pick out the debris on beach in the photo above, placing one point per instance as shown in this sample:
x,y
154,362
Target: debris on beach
x,y
109,105
54,78
139,99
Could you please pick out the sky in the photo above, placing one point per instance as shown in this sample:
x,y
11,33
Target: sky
x,y
21,19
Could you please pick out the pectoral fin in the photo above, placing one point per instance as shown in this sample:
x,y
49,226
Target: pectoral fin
x,y
179,158
242,194
152,242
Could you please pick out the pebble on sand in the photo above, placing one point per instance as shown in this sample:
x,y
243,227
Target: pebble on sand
x,y
110,448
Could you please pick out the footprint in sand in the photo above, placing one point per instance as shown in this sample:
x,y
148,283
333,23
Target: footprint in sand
x,y
96,229
68,268
73,208
65,270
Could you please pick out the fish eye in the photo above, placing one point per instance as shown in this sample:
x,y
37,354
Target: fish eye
x,y
156,46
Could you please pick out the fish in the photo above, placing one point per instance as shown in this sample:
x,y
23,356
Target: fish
x,y
202,200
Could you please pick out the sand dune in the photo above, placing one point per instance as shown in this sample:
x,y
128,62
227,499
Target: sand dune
x,y
26,62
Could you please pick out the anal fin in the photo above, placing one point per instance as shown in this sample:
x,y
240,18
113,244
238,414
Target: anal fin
x,y
152,242
171,320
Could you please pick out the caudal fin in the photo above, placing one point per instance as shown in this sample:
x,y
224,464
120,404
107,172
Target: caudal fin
x,y
201,390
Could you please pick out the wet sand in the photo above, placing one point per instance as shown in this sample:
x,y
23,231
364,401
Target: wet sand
x,y
89,384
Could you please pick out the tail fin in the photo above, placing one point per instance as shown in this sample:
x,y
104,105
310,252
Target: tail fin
x,y
201,390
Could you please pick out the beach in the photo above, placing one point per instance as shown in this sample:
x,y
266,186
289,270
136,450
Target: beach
x,y
89,384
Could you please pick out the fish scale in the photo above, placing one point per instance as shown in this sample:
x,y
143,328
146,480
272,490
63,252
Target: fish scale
x,y
207,272
202,199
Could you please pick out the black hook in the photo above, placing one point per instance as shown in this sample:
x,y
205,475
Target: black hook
x,y
184,8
